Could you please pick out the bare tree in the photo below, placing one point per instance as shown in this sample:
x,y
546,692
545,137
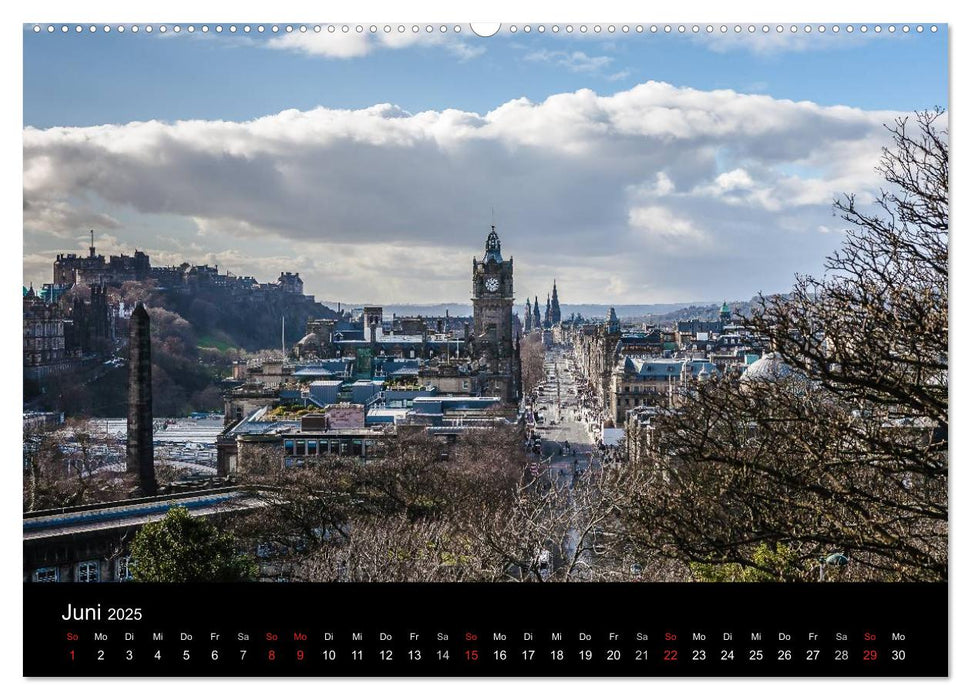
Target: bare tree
x,y
71,465
398,517
846,451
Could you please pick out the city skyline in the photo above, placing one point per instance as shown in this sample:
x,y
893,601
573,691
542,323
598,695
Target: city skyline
x,y
631,182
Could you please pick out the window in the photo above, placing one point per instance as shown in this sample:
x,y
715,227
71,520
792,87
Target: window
x,y
123,569
301,448
88,572
311,447
288,446
47,574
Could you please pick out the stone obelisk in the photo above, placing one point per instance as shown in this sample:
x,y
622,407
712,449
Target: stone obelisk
x,y
141,453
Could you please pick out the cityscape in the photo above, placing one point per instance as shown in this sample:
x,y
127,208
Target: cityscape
x,y
626,404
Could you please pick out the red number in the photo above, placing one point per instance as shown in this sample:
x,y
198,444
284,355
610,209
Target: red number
x,y
299,654
271,655
869,654
72,654
670,654
472,654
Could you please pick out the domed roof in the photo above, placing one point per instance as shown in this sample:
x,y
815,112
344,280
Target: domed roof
x,y
769,368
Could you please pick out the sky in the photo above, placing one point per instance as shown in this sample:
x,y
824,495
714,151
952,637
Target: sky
x,y
631,167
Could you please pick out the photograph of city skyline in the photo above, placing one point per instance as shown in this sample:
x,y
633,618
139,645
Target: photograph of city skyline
x,y
564,303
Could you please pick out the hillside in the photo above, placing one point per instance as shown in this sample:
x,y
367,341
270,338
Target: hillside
x,y
195,339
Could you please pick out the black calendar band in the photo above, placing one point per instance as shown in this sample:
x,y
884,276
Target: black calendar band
x,y
346,630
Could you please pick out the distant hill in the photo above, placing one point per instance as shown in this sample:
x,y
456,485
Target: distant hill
x,y
454,309
465,309
636,313
625,311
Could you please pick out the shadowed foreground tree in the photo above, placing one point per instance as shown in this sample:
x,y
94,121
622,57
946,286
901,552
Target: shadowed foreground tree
x,y
69,465
183,549
346,519
844,449
425,511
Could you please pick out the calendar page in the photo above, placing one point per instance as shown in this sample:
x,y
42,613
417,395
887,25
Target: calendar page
x,y
546,349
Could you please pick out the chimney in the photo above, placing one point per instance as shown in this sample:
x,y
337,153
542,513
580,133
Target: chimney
x,y
140,453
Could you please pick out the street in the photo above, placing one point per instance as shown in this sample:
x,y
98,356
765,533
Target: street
x,y
566,440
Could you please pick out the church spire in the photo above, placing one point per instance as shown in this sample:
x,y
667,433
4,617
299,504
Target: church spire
x,y
555,316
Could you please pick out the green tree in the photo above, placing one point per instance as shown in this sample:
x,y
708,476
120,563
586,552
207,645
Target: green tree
x,y
779,564
183,549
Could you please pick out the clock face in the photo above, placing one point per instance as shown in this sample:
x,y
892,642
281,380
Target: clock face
x,y
492,284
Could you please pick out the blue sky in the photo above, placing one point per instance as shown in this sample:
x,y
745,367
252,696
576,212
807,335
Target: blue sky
x,y
81,80
617,163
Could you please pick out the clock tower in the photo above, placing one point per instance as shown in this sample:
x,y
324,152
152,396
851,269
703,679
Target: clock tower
x,y
492,302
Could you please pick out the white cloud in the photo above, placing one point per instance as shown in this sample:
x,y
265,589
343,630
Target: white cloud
x,y
663,185
64,218
623,191
574,61
660,226
351,44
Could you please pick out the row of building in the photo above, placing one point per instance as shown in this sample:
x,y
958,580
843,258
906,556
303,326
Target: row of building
x,y
351,384
71,269
58,334
628,367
